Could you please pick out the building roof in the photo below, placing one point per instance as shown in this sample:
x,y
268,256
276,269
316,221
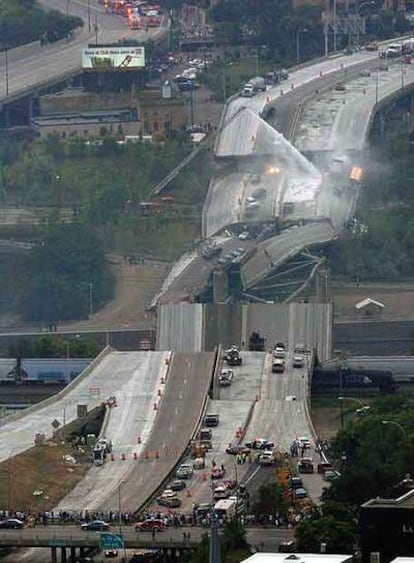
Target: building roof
x,y
368,301
297,558
404,501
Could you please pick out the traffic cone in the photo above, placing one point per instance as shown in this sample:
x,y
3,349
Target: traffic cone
x,y
162,381
157,455
159,393
155,406
146,455
139,440
112,457
204,477
256,399
135,455
123,457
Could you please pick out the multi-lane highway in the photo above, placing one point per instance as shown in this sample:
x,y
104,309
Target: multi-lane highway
x,y
31,68
136,378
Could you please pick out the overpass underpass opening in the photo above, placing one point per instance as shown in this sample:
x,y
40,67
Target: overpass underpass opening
x,y
264,177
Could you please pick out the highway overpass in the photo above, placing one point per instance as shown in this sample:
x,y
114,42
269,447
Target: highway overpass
x,y
31,68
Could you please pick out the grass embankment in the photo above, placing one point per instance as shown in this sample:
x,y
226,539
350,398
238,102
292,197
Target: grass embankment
x,y
40,469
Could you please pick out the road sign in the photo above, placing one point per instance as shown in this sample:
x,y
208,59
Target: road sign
x,y
111,541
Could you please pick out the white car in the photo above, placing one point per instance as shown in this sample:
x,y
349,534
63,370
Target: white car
x,y
304,442
298,361
226,377
279,353
245,235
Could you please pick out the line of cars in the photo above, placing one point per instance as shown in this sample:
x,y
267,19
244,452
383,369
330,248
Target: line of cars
x,y
280,356
140,14
187,79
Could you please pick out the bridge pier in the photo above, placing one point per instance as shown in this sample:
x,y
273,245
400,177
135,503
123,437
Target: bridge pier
x,y
73,553
63,554
54,554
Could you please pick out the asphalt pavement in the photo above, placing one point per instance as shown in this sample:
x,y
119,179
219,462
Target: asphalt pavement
x,y
178,414
136,377
180,327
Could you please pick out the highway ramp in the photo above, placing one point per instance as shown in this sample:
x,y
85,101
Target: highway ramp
x,y
179,411
234,406
89,388
136,379
281,415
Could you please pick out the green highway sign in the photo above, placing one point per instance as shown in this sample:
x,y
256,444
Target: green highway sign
x,y
110,541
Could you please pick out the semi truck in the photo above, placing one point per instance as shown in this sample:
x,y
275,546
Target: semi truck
x,y
256,84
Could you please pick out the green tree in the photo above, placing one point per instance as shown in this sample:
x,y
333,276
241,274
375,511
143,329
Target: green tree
x,y
338,536
70,275
269,500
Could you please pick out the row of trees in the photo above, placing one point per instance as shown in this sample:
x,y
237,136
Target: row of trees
x,y
56,346
372,459
386,207
23,21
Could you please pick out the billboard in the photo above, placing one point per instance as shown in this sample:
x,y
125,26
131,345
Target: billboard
x,y
113,58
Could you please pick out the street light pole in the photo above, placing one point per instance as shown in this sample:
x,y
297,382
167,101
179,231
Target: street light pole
x,y
120,517
6,65
89,15
91,297
298,45
397,424
334,26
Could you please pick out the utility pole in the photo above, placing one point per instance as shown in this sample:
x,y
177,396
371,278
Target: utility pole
x,y
6,63
89,15
95,27
91,297
334,26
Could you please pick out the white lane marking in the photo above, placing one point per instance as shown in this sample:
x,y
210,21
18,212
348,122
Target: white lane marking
x,y
252,475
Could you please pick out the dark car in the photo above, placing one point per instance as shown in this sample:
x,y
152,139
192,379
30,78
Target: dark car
x,y
177,485
11,523
260,444
237,450
95,525
149,525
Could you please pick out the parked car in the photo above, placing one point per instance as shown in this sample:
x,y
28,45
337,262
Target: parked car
x,y
95,525
298,361
237,450
155,524
226,377
185,471
178,485
260,444
11,523
217,473
300,493
331,475
173,502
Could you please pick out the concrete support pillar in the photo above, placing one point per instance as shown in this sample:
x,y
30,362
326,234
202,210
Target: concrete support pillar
x,y
63,554
81,551
73,553
54,554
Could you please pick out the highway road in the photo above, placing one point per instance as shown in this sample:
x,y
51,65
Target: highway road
x,y
339,121
110,372
234,406
176,420
282,415
28,70
136,378
180,327
274,251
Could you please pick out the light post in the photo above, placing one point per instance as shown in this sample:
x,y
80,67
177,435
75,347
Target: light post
x,y
6,68
334,26
95,28
120,517
397,424
376,86
91,297
89,15
299,31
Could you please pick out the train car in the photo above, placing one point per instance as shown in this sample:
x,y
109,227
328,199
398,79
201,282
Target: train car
x,y
329,380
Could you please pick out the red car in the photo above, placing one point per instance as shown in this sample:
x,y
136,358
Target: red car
x,y
152,524
217,473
